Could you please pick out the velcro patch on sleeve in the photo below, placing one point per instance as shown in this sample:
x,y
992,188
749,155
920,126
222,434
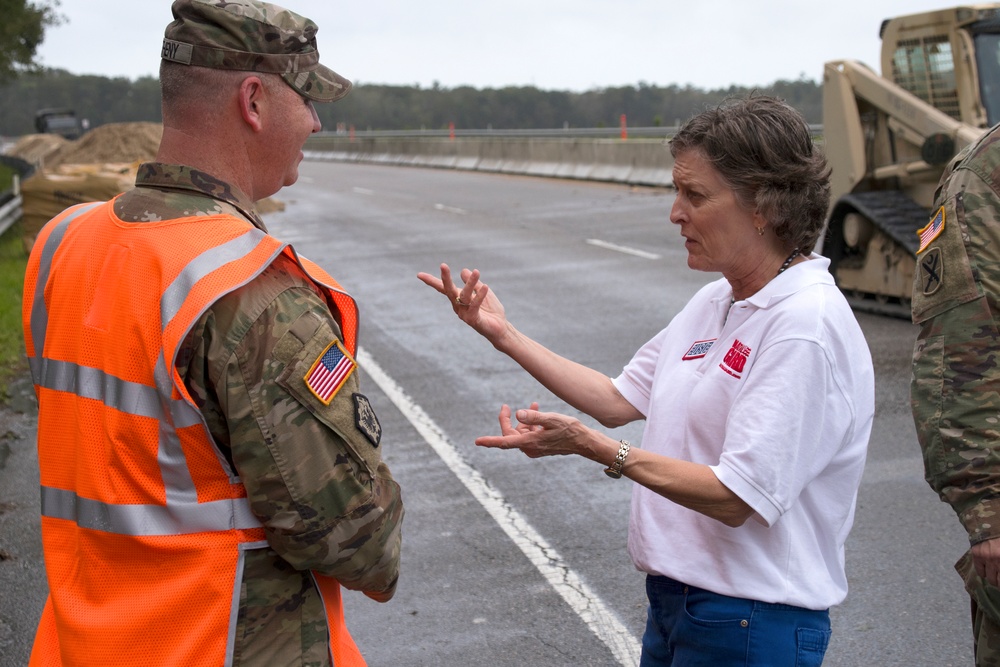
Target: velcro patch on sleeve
x,y
365,419
329,372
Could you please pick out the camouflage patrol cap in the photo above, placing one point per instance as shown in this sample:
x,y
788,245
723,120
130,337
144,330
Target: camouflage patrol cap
x,y
251,36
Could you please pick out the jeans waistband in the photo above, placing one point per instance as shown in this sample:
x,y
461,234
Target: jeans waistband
x,y
680,587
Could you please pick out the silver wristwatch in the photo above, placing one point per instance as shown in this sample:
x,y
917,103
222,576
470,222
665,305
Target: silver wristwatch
x,y
614,471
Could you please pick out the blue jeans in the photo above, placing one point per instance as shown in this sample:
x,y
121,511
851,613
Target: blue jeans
x,y
688,626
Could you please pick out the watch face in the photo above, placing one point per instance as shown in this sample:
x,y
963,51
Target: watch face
x,y
612,473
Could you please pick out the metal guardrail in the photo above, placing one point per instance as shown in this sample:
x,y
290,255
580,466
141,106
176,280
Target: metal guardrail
x,y
622,155
11,202
569,133
10,213
11,210
564,132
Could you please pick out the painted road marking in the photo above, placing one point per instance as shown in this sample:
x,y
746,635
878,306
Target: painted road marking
x,y
620,248
450,209
601,620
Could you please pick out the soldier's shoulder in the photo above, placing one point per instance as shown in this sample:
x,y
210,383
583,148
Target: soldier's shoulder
x,y
983,157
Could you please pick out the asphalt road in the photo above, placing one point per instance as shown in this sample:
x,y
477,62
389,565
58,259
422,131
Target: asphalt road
x,y
509,561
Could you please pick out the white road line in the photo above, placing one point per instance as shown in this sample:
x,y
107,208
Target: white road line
x,y
601,620
362,191
450,209
620,248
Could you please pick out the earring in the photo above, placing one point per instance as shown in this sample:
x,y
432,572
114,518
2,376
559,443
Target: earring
x,y
760,231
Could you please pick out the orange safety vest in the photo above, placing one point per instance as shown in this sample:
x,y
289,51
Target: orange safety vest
x,y
144,522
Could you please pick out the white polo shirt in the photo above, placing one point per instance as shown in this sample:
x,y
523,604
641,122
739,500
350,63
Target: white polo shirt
x,y
778,399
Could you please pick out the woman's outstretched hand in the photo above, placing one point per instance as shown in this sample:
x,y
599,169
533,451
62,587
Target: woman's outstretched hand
x,y
539,434
473,302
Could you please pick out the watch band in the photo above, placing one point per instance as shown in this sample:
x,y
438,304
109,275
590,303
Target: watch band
x,y
614,471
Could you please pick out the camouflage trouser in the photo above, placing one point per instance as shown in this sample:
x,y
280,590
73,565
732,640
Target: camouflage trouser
x,y
986,633
985,613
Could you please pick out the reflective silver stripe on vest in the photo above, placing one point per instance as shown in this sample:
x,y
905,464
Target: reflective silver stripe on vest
x,y
234,606
39,321
182,486
182,514
326,607
202,265
177,481
147,520
128,397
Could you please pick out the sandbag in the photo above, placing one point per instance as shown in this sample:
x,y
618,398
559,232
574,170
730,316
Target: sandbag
x,y
48,192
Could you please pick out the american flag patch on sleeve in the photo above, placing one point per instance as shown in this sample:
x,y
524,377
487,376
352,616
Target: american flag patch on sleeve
x,y
329,372
931,231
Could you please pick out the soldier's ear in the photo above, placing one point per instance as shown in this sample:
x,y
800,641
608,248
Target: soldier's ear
x,y
250,99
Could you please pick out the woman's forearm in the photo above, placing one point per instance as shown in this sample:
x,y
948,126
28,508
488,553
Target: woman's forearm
x,y
691,485
584,388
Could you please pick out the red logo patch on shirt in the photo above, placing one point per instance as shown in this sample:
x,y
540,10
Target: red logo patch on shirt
x,y
735,360
698,350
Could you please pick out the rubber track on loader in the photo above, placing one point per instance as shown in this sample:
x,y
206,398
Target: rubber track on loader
x,y
894,213
899,217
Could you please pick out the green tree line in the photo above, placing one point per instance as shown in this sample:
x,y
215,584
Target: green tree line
x,y
103,100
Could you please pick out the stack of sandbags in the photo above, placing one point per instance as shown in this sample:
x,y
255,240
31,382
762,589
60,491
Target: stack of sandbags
x,y
48,192
96,167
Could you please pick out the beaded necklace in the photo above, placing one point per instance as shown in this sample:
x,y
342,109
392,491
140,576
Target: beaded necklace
x,y
785,265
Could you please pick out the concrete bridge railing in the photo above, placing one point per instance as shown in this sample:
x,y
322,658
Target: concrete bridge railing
x,y
635,161
636,156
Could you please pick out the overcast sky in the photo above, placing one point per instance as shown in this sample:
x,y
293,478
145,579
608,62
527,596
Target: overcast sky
x,y
571,45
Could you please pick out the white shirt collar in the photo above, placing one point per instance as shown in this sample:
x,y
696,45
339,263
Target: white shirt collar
x,y
815,271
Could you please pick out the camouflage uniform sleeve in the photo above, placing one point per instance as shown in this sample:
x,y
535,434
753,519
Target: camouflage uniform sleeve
x,y
311,466
955,385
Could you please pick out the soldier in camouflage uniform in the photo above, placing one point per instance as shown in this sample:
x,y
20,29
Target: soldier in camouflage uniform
x,y
955,390
312,470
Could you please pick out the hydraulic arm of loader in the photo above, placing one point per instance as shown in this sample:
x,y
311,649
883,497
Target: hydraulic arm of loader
x,y
887,149
849,85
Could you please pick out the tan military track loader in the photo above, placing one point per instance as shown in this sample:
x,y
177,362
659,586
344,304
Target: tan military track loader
x,y
888,138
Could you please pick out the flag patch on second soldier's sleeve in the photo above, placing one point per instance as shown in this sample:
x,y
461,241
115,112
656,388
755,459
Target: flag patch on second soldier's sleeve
x,y
329,372
931,231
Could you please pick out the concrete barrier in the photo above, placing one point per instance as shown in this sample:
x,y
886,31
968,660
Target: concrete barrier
x,y
639,161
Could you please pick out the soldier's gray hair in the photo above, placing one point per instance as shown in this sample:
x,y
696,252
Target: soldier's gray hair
x,y
200,90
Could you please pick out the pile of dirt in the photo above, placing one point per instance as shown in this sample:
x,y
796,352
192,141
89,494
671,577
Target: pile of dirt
x,y
95,167
33,148
111,143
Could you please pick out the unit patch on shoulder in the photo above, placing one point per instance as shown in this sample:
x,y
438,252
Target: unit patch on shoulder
x,y
931,271
365,419
698,350
329,372
932,230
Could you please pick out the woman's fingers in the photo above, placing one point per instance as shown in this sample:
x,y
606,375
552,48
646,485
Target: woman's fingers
x,y
431,281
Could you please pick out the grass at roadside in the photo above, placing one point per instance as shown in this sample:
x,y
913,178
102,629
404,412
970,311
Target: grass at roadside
x,y
13,260
6,174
